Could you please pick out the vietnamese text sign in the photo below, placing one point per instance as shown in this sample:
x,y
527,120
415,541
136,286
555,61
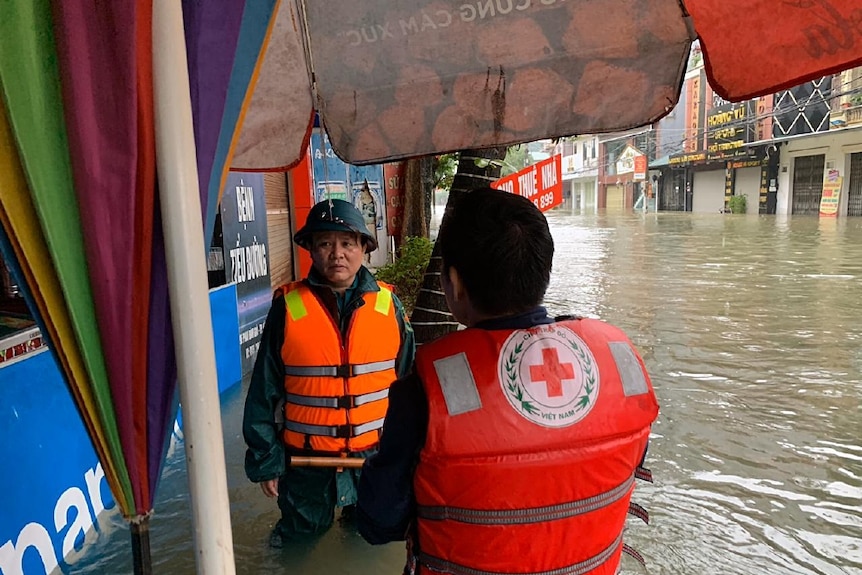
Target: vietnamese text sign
x,y
640,166
393,174
831,193
728,130
243,213
541,183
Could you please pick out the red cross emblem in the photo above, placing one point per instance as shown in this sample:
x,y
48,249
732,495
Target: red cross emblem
x,y
552,372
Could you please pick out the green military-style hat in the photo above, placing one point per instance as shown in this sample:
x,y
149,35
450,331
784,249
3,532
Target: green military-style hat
x,y
334,216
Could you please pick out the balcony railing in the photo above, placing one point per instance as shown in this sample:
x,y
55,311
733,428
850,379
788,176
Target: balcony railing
x,y
853,115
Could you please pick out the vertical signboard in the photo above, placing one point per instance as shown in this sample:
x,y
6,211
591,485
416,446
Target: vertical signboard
x,y
831,193
541,183
729,184
243,212
360,185
640,167
393,175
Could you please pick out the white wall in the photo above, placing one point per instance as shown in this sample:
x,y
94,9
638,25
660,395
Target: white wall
x,y
837,145
748,185
708,191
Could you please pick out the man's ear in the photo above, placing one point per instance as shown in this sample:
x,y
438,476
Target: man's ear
x,y
458,291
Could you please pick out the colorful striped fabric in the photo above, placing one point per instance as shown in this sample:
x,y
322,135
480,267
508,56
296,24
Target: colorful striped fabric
x,y
79,207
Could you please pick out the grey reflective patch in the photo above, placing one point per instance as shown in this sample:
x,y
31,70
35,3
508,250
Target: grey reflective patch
x,y
458,385
631,374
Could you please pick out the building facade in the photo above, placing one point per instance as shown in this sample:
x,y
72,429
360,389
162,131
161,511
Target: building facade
x,y
776,151
580,173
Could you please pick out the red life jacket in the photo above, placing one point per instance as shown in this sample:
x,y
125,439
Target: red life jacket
x,y
336,392
533,440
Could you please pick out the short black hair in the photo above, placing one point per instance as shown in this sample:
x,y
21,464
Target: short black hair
x,y
501,246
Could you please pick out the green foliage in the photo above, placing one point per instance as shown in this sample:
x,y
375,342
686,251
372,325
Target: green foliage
x,y
517,158
737,204
444,170
408,269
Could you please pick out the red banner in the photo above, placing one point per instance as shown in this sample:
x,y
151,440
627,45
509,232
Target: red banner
x,y
541,183
393,175
640,168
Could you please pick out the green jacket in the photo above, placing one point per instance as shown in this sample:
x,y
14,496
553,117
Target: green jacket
x,y
261,427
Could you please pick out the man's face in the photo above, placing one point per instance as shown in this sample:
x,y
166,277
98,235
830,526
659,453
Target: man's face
x,y
337,256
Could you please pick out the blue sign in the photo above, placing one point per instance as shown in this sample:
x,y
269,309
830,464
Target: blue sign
x,y
53,488
243,218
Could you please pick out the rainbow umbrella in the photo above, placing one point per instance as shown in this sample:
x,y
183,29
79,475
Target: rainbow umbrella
x,y
82,208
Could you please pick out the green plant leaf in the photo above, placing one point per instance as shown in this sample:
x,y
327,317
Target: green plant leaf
x,y
408,269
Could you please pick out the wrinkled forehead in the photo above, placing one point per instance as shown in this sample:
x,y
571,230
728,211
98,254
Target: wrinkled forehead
x,y
334,237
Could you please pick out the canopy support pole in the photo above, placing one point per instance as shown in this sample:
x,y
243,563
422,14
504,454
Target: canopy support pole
x,y
141,557
189,293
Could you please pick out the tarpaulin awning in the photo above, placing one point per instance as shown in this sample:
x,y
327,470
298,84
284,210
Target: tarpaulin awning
x,y
400,79
660,162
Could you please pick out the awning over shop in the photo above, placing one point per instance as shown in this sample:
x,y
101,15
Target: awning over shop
x,y
660,163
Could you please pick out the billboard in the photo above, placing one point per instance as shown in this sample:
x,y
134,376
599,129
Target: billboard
x,y
729,129
541,183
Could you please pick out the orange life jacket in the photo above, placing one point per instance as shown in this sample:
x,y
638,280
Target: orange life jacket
x,y
534,437
336,392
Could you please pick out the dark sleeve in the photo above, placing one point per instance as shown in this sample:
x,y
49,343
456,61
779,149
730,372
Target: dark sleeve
x,y
264,458
386,505
407,350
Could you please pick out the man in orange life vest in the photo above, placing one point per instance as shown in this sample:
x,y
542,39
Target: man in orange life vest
x,y
514,445
331,346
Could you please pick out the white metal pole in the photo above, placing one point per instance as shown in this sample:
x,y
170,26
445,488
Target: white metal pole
x,y
187,281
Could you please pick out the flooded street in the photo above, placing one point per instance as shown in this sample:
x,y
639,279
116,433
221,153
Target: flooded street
x,y
751,328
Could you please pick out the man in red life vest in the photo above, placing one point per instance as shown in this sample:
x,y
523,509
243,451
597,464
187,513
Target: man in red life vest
x,y
331,346
514,445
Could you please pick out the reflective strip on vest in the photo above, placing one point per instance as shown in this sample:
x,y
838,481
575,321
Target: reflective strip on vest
x,y
457,384
532,515
631,373
585,566
348,370
341,431
383,301
295,307
341,402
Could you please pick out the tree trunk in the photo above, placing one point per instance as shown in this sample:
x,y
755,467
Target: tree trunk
x,y
427,174
431,318
418,183
413,216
